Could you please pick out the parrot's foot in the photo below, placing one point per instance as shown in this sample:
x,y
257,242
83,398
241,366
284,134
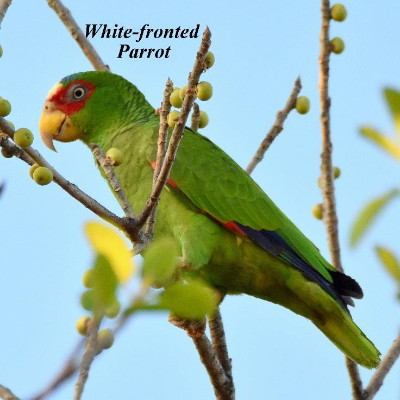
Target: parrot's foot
x,y
194,329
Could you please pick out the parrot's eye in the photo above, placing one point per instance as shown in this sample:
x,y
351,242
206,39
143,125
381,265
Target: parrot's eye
x,y
78,92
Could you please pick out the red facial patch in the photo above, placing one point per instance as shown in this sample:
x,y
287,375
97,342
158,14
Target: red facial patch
x,y
67,105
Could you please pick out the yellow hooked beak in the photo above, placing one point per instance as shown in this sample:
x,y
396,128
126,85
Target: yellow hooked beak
x,y
55,125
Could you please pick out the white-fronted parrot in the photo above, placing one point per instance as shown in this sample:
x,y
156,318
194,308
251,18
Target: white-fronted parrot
x,y
229,231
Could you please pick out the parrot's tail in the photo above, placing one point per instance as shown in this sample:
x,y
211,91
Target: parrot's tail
x,y
349,338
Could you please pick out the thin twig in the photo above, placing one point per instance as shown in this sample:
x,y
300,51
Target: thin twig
x,y
276,128
178,129
7,394
195,117
161,147
71,365
384,367
69,368
355,379
4,4
76,32
221,383
91,350
219,344
112,179
327,187
328,190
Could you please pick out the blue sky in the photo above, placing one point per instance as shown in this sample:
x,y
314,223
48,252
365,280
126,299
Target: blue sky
x,y
260,49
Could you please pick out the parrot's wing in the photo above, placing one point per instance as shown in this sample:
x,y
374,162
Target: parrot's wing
x,y
221,188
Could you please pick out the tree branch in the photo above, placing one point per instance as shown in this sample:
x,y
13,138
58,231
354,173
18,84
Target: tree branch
x,y
178,131
161,147
222,385
195,117
276,128
113,180
70,367
30,156
6,394
91,350
327,185
328,190
76,32
384,367
4,4
219,344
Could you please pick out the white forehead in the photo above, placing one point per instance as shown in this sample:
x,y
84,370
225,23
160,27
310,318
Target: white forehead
x,y
54,90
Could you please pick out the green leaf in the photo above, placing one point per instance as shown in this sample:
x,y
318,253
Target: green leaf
x,y
389,261
368,214
190,300
160,261
393,100
104,283
382,141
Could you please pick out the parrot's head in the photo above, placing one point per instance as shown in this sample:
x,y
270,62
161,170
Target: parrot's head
x,y
88,104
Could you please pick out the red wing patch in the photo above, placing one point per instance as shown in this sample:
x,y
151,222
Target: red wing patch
x,y
233,227
170,181
230,225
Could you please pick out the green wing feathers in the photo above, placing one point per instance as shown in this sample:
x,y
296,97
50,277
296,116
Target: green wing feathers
x,y
214,177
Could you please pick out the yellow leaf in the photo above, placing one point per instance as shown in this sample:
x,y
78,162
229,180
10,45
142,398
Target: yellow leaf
x,y
111,245
393,101
369,213
389,261
383,141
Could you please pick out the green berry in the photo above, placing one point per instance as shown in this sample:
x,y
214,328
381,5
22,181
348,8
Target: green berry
x,y
5,107
87,300
32,169
42,176
5,153
175,99
336,172
203,121
171,118
338,12
105,338
210,60
337,45
182,92
10,123
82,325
317,211
204,91
87,278
23,137
115,155
302,105
113,310
1,51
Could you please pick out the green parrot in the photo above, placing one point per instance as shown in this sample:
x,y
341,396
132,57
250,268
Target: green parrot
x,y
229,231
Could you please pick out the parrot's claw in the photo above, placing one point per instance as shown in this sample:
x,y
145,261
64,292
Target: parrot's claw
x,y
194,329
